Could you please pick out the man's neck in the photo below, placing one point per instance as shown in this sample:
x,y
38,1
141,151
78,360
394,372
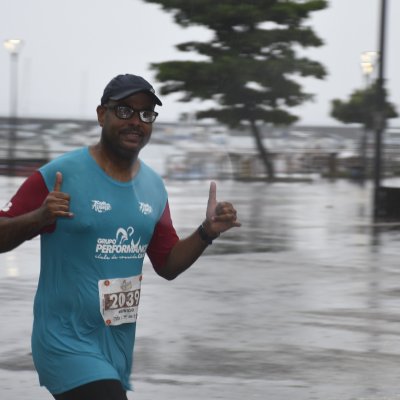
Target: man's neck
x,y
118,168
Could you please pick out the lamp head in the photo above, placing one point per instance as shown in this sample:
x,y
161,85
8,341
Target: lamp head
x,y
13,45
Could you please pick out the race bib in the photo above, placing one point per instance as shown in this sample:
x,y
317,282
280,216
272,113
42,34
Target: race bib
x,y
119,299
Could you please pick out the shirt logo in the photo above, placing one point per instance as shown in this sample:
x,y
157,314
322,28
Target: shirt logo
x,y
145,208
7,207
122,246
100,206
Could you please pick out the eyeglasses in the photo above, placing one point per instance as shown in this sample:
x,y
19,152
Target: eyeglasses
x,y
125,112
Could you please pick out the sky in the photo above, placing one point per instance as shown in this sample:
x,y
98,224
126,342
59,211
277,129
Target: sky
x,y
73,49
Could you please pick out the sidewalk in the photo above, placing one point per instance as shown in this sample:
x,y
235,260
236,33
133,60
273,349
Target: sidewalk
x,y
278,326
261,326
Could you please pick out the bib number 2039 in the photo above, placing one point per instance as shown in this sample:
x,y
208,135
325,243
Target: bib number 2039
x,y
119,299
114,301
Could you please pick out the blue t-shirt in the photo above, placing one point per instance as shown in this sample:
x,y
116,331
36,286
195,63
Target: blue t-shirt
x,y
106,239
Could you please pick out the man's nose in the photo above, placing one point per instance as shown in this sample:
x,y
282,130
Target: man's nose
x,y
135,118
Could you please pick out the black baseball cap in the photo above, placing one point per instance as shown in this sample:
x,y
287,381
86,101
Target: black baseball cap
x,y
123,86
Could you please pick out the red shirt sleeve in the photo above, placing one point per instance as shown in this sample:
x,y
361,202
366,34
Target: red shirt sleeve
x,y
163,240
29,197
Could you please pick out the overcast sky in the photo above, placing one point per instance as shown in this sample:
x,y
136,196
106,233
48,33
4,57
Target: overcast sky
x,y
73,48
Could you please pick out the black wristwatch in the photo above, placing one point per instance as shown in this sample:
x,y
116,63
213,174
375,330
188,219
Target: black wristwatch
x,y
203,234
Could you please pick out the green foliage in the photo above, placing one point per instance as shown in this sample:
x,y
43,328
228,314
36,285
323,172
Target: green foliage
x,y
250,65
361,107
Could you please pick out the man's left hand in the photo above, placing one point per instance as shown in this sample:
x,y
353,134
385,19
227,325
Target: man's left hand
x,y
220,216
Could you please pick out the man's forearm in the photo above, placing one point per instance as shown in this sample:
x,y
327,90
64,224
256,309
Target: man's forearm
x,y
183,255
14,231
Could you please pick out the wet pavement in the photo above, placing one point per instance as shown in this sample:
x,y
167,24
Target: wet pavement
x,y
302,302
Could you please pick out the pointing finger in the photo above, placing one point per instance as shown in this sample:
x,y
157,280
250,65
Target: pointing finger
x,y
212,197
57,185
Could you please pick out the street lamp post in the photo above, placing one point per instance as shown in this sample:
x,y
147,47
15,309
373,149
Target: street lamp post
x,y
13,46
379,117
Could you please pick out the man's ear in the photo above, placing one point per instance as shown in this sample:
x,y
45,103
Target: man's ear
x,y
101,111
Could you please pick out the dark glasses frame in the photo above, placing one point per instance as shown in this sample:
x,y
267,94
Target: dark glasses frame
x,y
123,111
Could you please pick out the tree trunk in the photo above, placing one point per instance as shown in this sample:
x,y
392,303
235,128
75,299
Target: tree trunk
x,y
263,152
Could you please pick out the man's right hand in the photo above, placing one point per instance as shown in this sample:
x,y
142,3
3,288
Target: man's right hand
x,y
56,204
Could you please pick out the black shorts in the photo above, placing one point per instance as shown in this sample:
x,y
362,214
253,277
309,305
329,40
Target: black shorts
x,y
106,389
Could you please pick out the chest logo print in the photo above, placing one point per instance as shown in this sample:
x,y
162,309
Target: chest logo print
x,y
100,206
145,208
123,235
121,246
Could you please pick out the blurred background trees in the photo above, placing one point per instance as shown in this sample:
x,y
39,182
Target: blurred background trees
x,y
361,108
250,65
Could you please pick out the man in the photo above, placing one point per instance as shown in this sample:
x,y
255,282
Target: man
x,y
99,210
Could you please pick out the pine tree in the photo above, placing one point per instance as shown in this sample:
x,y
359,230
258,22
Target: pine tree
x,y
250,64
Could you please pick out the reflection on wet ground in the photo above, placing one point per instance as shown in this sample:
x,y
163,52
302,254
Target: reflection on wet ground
x,y
301,303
